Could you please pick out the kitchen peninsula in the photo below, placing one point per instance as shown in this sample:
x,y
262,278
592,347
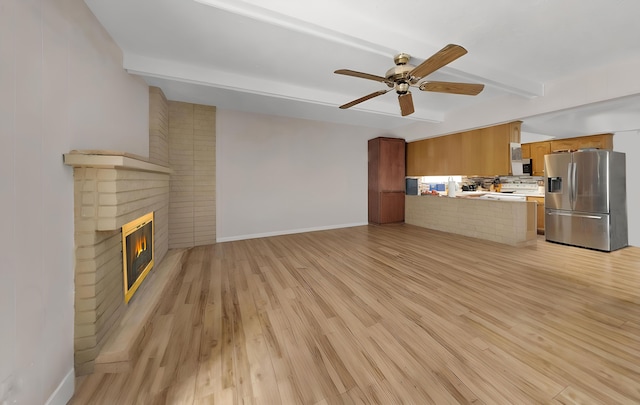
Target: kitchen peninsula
x,y
509,222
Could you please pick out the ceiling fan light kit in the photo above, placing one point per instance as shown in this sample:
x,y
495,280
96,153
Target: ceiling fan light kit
x,y
404,75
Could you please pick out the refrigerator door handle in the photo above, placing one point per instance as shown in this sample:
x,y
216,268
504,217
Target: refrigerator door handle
x,y
574,186
568,214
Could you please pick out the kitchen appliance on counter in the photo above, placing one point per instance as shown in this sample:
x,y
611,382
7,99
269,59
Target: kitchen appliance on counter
x,y
586,199
527,167
411,186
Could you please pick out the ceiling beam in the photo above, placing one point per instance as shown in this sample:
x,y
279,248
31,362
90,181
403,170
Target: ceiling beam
x,y
187,73
384,44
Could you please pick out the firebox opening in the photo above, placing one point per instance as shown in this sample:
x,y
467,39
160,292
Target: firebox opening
x,y
137,253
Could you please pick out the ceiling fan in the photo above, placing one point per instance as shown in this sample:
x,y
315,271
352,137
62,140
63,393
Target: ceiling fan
x,y
403,76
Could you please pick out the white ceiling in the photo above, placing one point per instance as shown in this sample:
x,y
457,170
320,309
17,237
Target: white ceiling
x,y
565,68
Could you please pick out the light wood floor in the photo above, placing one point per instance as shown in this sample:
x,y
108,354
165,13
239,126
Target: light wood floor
x,y
388,315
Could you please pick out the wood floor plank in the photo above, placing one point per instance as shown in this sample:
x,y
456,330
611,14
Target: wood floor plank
x,y
386,315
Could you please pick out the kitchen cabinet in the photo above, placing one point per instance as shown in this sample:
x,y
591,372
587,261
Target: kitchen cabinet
x,y
526,151
600,141
434,156
540,213
417,158
481,152
514,131
391,207
443,155
486,151
537,150
386,168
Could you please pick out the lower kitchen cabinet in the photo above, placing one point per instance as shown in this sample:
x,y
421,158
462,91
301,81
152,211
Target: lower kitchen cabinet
x,y
540,213
391,207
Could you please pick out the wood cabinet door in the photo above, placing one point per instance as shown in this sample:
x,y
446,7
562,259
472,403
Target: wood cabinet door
x,y
541,217
526,151
391,172
538,150
562,145
485,152
391,207
514,131
603,141
539,213
444,155
386,180
417,158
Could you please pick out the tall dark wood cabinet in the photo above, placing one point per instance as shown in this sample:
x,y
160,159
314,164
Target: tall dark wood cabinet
x,y
386,180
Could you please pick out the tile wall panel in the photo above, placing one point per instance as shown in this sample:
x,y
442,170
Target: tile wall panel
x,y
158,127
192,188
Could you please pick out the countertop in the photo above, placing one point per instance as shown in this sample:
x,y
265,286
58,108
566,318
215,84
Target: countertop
x,y
477,194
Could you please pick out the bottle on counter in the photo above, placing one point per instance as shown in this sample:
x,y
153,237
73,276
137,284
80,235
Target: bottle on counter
x,y
452,187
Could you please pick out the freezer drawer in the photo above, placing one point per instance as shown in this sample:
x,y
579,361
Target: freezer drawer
x,y
579,229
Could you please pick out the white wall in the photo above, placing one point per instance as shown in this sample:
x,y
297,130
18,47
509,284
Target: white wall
x,y
62,87
629,143
280,175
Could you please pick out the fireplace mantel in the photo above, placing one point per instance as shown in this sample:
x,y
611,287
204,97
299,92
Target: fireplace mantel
x,y
111,159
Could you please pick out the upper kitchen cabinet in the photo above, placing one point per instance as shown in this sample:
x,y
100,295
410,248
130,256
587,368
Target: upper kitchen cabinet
x,y
386,180
435,156
482,152
537,150
600,141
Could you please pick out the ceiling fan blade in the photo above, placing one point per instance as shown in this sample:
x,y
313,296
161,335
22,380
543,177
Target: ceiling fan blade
x,y
469,89
441,58
365,98
353,73
406,103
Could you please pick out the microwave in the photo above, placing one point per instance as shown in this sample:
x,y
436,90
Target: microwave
x,y
527,167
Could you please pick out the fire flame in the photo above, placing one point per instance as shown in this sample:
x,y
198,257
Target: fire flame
x,y
141,246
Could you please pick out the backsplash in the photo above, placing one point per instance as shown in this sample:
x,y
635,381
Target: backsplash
x,y
515,184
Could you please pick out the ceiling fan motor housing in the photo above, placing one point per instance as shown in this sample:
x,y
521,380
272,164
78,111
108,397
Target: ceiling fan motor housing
x,y
399,72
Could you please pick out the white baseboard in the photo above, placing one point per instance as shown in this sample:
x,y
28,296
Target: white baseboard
x,y
287,232
65,390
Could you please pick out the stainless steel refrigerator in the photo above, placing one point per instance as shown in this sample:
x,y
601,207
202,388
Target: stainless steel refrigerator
x,y
586,199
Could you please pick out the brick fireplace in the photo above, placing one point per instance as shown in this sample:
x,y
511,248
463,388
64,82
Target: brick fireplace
x,y
110,190
177,184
